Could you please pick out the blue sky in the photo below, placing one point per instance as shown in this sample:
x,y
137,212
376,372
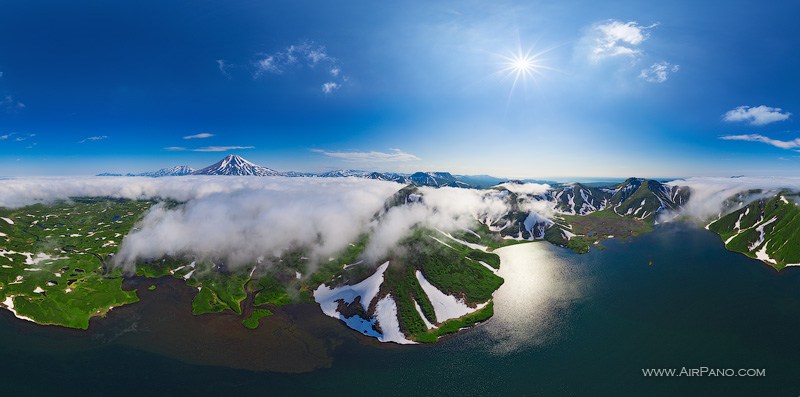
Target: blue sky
x,y
617,88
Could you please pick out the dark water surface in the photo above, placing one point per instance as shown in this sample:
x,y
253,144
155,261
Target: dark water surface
x,y
564,324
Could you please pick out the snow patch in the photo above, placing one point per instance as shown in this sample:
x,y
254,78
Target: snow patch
x,y
464,243
386,316
760,230
10,222
327,297
445,306
422,315
9,304
40,257
763,256
486,265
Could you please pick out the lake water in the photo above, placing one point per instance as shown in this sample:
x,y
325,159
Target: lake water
x,y
564,324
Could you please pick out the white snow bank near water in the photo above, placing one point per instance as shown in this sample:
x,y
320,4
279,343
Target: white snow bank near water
x,y
9,304
327,297
10,222
385,310
386,316
445,306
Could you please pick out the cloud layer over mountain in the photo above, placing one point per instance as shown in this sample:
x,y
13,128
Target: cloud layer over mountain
x,y
708,194
240,219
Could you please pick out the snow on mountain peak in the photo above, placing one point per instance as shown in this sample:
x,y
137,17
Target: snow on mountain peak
x,y
235,165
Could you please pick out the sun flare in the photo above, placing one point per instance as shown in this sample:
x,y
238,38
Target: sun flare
x,y
522,67
522,64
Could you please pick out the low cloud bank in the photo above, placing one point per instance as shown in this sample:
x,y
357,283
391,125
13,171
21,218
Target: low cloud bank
x,y
445,208
242,225
240,219
708,194
18,192
526,188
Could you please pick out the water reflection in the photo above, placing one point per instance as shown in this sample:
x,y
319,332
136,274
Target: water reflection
x,y
529,307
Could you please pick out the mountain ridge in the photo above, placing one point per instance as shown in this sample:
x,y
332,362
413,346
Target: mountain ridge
x,y
234,165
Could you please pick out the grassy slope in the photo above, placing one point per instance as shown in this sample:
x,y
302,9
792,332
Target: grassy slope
x,y
782,236
452,271
80,236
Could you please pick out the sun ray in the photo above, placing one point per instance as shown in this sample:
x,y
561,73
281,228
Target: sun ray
x,y
523,67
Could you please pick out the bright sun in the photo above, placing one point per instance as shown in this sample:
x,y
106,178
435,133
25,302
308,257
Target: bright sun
x,y
522,67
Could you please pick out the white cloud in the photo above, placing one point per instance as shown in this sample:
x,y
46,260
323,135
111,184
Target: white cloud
x,y
308,56
296,55
6,136
201,135
526,188
223,66
658,72
756,115
615,38
22,137
709,195
239,219
316,55
206,148
10,104
259,217
221,148
791,144
94,138
267,64
370,157
330,86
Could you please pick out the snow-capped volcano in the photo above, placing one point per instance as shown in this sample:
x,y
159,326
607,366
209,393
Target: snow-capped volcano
x,y
235,165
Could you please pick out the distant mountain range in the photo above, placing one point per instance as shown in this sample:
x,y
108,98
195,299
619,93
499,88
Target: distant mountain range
x,y
237,166
178,170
